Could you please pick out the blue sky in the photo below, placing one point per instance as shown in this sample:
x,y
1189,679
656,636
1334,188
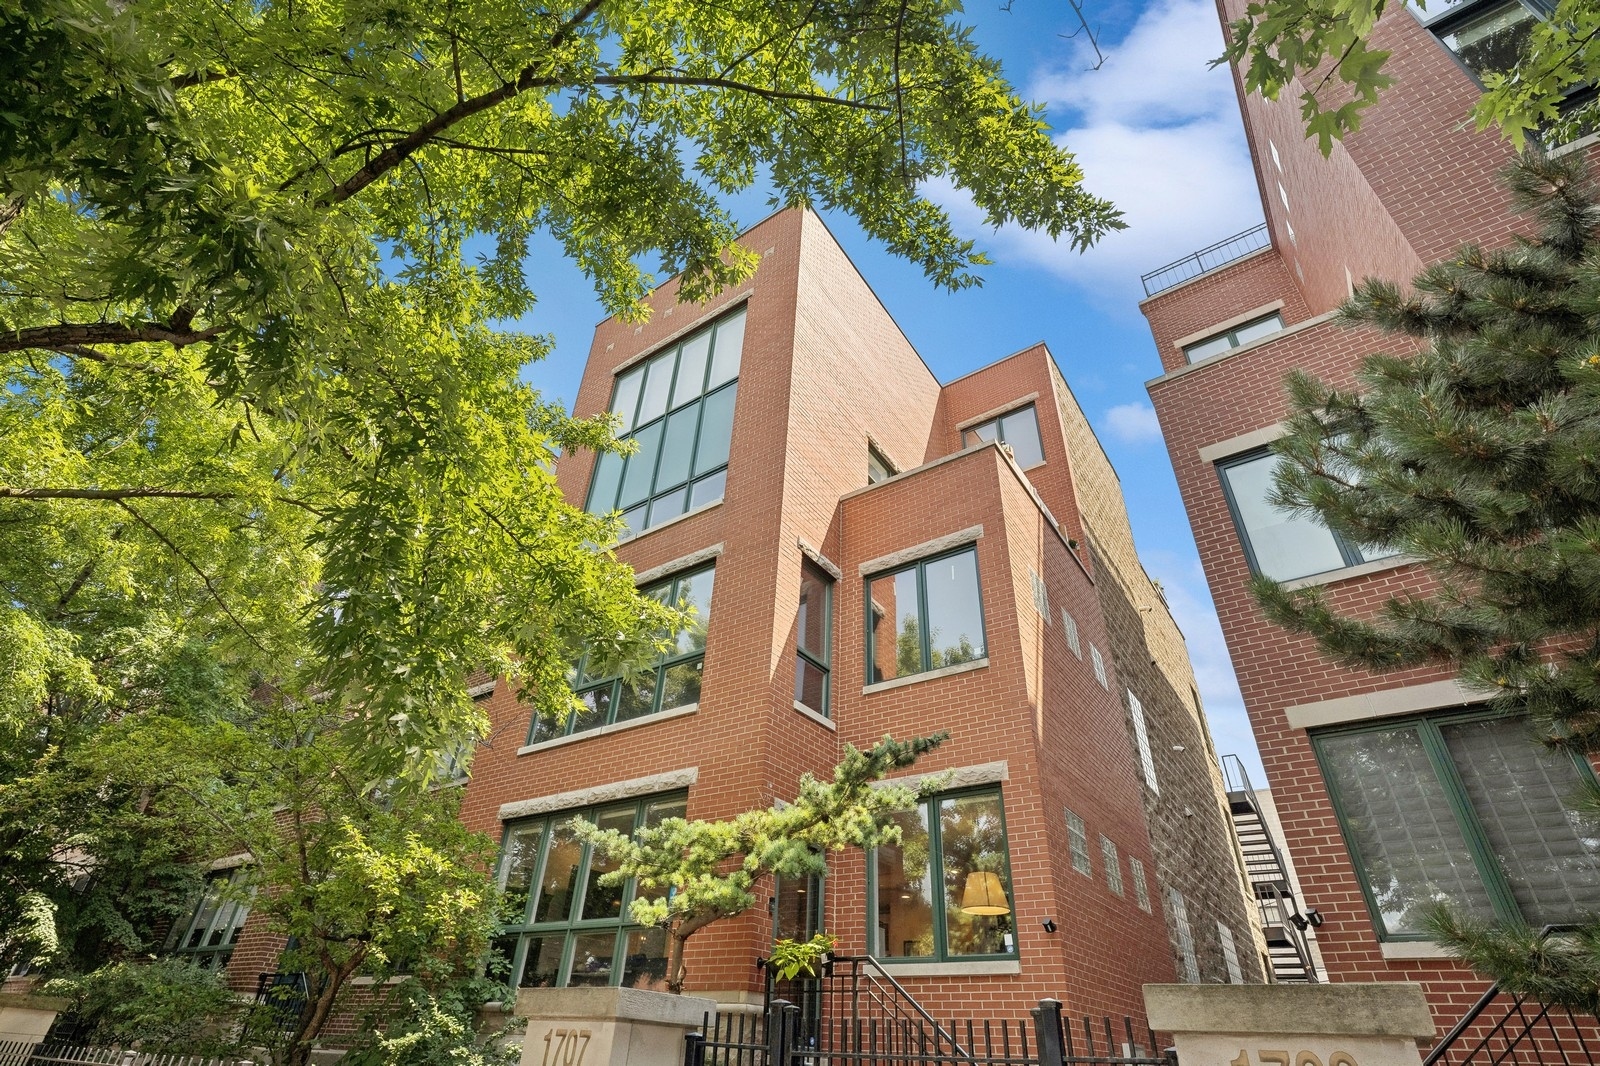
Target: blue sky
x,y
1158,133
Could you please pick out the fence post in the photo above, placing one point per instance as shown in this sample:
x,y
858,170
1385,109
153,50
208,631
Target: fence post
x,y
1047,1032
780,1032
694,1049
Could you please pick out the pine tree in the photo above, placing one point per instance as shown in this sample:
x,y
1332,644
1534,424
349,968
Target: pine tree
x,y
1478,453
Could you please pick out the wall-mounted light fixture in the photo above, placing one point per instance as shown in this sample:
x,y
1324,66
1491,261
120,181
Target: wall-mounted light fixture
x,y
1050,925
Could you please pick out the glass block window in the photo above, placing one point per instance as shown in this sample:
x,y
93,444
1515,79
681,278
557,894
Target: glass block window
x,y
925,616
678,407
1113,864
564,928
1463,808
1069,628
208,933
1233,338
1078,844
1099,667
813,637
1178,915
944,891
1141,887
1019,429
1141,740
673,681
1041,596
1279,543
1230,954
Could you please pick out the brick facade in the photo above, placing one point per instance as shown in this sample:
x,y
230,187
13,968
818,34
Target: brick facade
x,y
1404,191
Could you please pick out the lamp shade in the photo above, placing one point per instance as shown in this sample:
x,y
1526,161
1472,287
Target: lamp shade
x,y
984,894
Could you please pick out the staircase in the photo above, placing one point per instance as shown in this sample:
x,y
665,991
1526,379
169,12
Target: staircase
x,y
1282,922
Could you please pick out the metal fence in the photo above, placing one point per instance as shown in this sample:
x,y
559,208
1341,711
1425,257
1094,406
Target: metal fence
x,y
1210,257
1503,1027
19,1054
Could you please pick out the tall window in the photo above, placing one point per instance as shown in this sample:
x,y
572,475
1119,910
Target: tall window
x,y
1178,913
1113,864
813,637
1462,808
878,468
678,406
944,891
1141,740
208,933
1078,844
564,927
1141,887
1069,626
924,617
1099,667
1278,543
1233,338
1019,429
1230,954
672,681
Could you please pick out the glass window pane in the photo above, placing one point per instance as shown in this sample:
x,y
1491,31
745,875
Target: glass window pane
x,y
810,685
905,891
660,810
1398,823
560,878
694,593
1020,429
645,960
521,858
641,468
691,369
893,627
1285,546
605,901
708,489
603,487
725,355
627,397
977,875
1214,346
680,684
657,384
1261,327
716,430
592,956
209,902
977,434
811,621
541,964
633,522
665,508
677,449
1493,42
596,709
221,926
637,695
1522,793
877,468
955,621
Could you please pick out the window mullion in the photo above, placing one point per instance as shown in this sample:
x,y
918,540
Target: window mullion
x,y
1483,857
922,617
941,946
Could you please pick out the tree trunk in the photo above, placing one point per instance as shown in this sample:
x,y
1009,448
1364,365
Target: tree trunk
x,y
319,1009
676,971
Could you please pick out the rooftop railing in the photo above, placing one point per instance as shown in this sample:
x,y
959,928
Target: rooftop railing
x,y
1208,258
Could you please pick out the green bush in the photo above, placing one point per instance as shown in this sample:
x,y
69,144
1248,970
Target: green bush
x,y
423,1026
167,1006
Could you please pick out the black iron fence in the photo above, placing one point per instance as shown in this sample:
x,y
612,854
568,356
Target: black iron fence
x,y
1208,258
1504,1027
20,1054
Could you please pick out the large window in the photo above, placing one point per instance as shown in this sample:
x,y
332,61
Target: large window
x,y
1463,808
944,891
813,636
207,934
672,681
1019,429
1278,543
1236,337
925,616
563,927
678,407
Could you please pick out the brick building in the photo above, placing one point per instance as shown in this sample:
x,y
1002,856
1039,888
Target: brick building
x,y
1394,790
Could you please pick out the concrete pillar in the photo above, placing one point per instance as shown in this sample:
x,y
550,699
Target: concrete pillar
x,y
607,1026
25,1019
1375,1024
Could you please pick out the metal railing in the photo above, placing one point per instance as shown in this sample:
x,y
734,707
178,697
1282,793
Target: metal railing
x,y
1208,258
17,1054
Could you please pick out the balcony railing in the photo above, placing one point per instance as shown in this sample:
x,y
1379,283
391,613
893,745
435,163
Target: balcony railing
x,y
1209,258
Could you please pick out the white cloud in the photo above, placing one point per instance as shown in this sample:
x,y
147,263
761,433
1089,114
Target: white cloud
x,y
1157,131
1134,423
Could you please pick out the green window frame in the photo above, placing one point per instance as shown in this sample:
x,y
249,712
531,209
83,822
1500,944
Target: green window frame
x,y
1018,428
208,934
814,639
1229,339
922,919
562,927
678,407
1416,800
912,637
672,682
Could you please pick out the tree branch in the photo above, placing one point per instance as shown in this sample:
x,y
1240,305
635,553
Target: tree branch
x,y
210,586
9,492
74,335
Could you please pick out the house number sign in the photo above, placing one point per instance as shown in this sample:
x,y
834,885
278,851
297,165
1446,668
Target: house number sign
x,y
1296,1058
566,1047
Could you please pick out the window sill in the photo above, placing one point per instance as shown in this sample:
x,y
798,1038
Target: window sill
x,y
976,968
1349,573
669,523
1400,950
929,675
367,982
821,719
607,730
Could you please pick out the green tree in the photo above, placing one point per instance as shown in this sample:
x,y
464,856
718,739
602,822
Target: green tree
x,y
693,873
1322,48
1478,454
